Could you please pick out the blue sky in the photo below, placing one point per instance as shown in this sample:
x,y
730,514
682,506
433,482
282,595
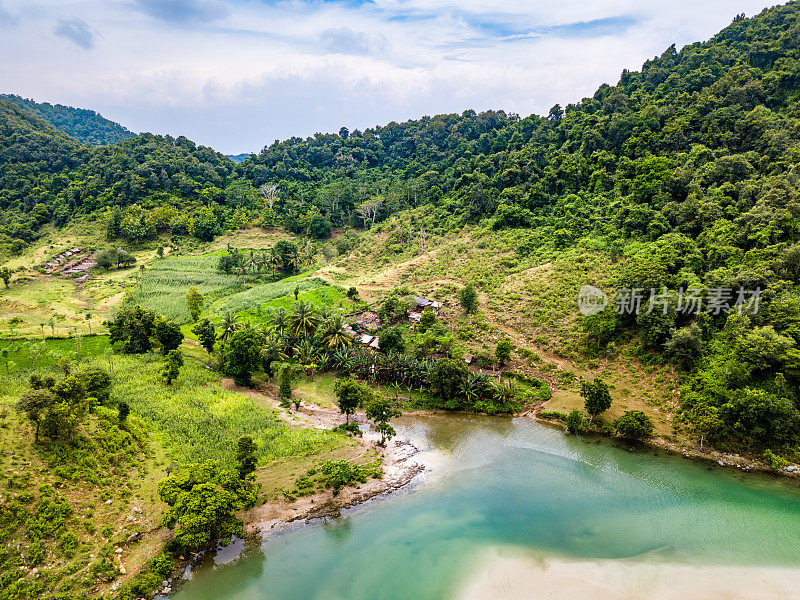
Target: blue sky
x,y
239,74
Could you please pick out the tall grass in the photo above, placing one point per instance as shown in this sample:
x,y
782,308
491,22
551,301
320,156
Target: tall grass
x,y
265,293
164,285
195,419
33,352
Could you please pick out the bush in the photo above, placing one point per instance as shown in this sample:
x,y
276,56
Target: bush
x,y
575,421
634,424
773,460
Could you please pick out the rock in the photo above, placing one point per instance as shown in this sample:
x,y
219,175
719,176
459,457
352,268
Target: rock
x,y
792,468
133,537
108,501
122,570
35,571
720,463
117,550
136,509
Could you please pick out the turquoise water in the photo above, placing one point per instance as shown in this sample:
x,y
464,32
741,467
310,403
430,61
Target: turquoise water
x,y
513,483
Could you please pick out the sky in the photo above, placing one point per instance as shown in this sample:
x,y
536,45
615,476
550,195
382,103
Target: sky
x,y
239,74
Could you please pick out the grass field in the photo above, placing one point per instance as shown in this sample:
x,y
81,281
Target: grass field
x,y
267,293
26,354
196,419
164,285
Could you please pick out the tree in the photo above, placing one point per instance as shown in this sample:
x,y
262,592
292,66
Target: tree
x,y
469,298
350,394
169,335
318,226
125,259
352,293
769,419
206,334
391,340
426,320
5,275
685,346
194,302
246,456
36,404
160,252
335,335
203,503
380,411
707,423
172,367
596,397
96,382
446,377
242,355
634,424
303,321
132,327
574,421
503,351
124,410
106,258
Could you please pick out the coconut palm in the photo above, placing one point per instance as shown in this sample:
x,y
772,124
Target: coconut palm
x,y
472,388
336,335
307,354
229,326
279,320
303,321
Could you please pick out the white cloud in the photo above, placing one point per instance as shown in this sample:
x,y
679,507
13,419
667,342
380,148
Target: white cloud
x,y
239,74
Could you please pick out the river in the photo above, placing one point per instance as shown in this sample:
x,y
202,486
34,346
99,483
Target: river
x,y
512,509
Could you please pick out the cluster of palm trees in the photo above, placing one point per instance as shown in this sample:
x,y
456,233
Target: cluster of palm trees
x,y
319,340
395,368
287,257
306,334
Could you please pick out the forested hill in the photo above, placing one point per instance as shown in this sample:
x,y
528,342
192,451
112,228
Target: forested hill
x,y
85,125
48,176
704,130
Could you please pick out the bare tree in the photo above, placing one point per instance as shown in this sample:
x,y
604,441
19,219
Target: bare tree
x,y
269,191
370,208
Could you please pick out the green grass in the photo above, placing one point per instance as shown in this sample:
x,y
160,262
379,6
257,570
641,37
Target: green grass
x,y
195,419
266,293
25,354
164,285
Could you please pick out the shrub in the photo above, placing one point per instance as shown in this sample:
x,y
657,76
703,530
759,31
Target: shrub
x,y
634,424
575,421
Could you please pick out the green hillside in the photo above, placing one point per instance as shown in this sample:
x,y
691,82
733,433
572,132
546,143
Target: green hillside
x,y
84,125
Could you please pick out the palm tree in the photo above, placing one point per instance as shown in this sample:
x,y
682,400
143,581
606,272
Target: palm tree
x,y
471,388
306,353
229,326
336,335
303,322
279,320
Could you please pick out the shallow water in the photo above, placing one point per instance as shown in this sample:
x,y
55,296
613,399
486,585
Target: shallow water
x,y
514,484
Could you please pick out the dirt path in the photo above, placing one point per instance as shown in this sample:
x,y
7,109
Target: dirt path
x,y
399,468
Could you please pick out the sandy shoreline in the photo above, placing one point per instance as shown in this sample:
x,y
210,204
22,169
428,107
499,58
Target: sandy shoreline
x,y
507,574
398,462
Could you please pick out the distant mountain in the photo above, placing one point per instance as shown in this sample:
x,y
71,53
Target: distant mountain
x,y
239,158
85,125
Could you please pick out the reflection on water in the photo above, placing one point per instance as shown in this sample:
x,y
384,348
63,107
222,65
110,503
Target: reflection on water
x,y
513,483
